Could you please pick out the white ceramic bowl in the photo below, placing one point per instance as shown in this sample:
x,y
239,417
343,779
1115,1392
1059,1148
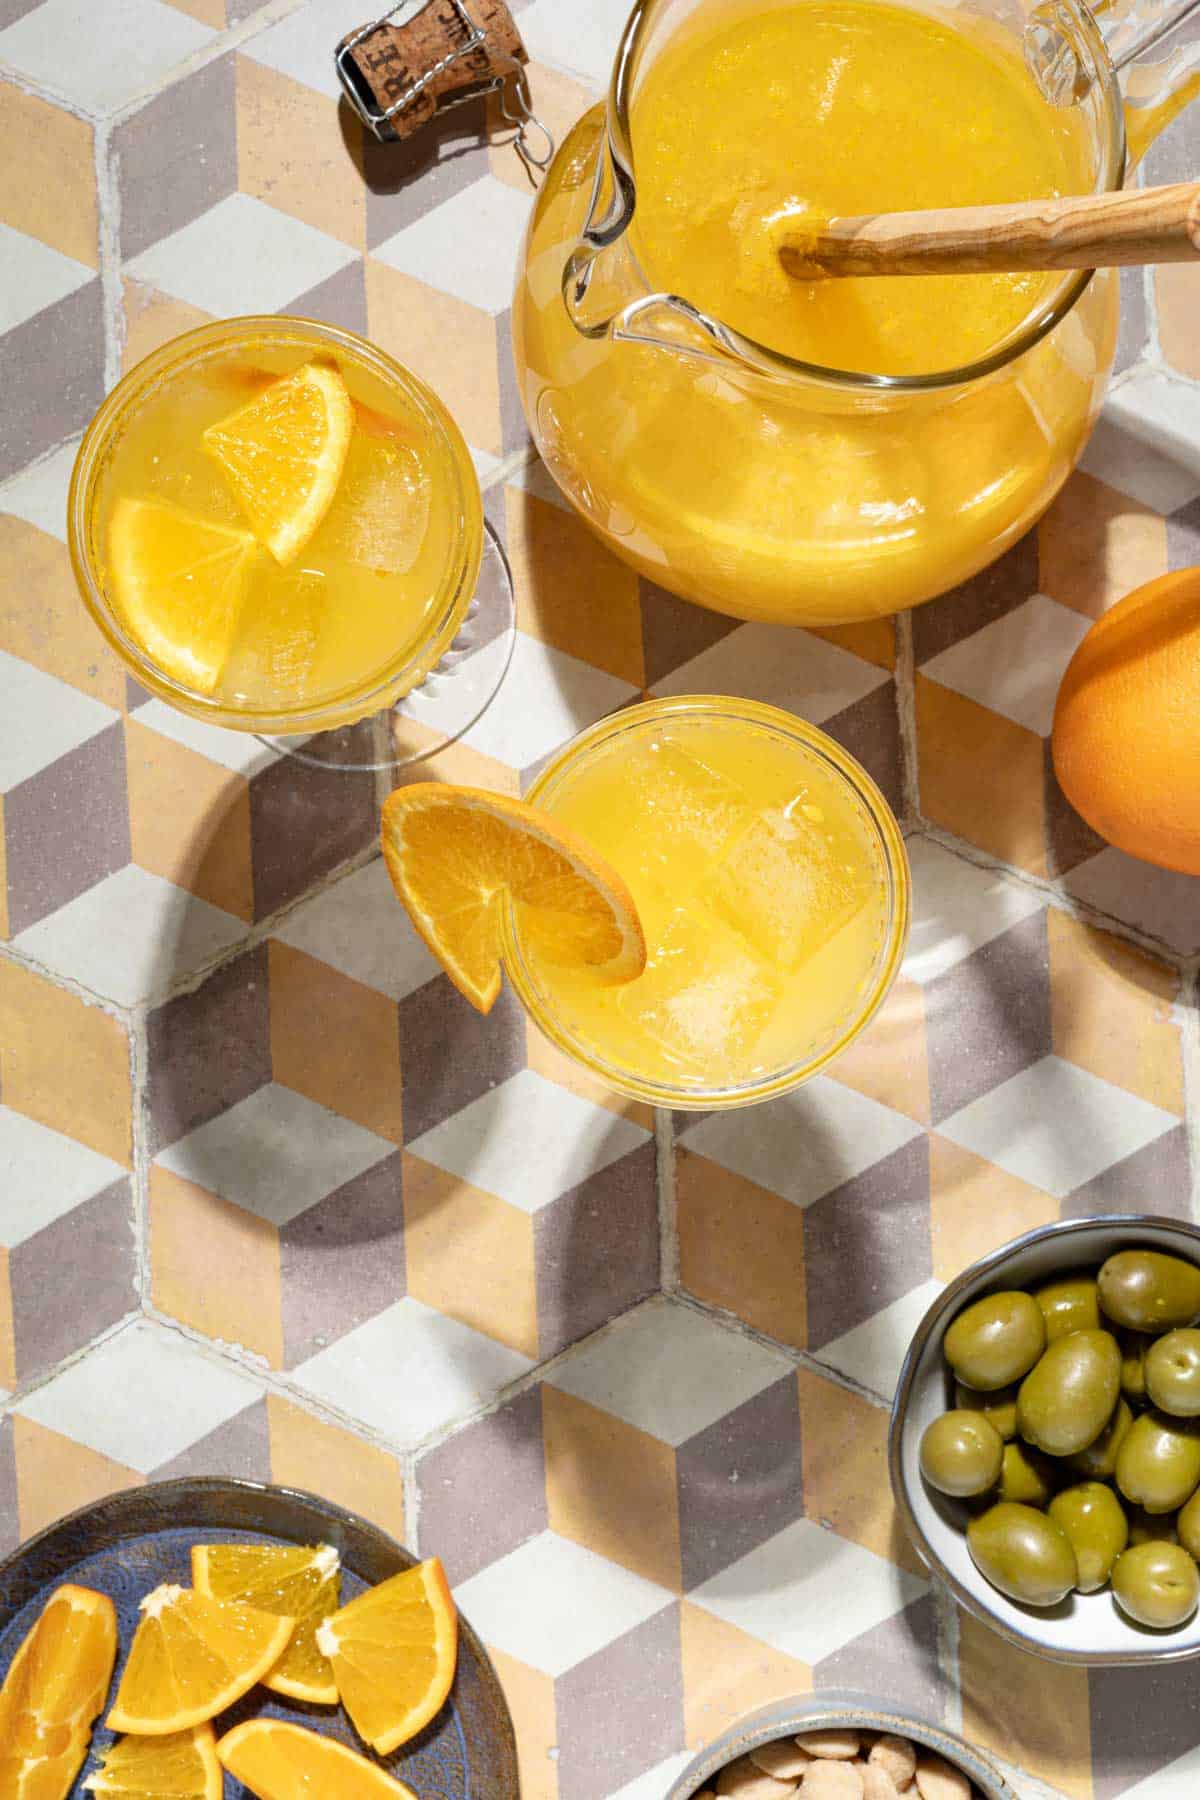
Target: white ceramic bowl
x,y
1084,1628
817,1712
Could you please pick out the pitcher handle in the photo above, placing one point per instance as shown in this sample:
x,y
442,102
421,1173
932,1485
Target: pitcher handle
x,y
1067,45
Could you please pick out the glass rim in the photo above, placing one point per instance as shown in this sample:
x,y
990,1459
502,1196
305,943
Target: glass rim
x,y
1110,177
690,1098
347,702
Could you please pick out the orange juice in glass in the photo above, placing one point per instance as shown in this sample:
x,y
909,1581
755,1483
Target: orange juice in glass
x,y
277,527
772,885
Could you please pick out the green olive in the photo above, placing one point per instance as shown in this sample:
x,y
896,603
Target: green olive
x,y
998,1408
961,1453
1150,1291
1070,1304
1156,1584
1093,1520
1023,1553
1151,1528
1026,1476
1188,1525
1068,1398
1099,1460
1173,1373
1134,1345
1158,1464
996,1341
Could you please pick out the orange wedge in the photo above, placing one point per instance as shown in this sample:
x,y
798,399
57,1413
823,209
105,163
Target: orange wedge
x,y
283,454
192,1657
291,1580
282,1762
393,1652
55,1687
455,854
178,583
183,1766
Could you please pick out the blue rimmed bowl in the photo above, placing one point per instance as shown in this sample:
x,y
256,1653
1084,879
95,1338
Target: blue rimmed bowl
x,y
127,1544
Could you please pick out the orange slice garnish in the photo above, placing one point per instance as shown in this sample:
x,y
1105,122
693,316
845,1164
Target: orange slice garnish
x,y
192,1657
456,854
179,584
393,1652
291,1580
278,1762
55,1687
283,454
183,1766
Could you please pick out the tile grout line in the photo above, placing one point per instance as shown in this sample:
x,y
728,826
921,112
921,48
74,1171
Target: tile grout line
x,y
906,715
20,959
800,1359
108,209
520,458
949,1663
409,1464
273,1381
14,1401
1189,1006
231,38
25,84
668,1201
139,1069
282,1384
1054,894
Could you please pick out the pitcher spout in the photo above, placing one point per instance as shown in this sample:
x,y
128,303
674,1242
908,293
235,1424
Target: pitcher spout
x,y
605,289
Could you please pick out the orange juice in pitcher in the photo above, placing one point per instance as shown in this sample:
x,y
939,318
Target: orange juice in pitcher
x,y
814,452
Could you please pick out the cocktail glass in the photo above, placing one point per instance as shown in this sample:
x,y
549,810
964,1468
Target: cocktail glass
x,y
765,963
421,684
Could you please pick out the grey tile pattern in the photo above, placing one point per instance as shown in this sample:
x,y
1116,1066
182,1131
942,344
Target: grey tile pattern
x,y
597,1250
67,828
73,1279
342,1261
483,1492
603,1741
988,1017
740,1482
867,1243
208,1049
177,156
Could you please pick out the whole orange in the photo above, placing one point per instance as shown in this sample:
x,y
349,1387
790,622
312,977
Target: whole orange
x,y
1127,724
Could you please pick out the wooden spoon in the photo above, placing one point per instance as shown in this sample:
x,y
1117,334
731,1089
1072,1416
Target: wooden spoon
x,y
1084,231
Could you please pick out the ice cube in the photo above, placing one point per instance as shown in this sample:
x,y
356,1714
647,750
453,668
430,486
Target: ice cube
x,y
692,812
704,997
271,661
783,885
380,514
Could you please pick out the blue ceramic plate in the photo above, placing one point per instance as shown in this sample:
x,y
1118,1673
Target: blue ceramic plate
x,y
126,1545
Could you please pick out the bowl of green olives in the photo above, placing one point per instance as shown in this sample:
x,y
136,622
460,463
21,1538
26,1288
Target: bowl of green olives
x,y
1045,1440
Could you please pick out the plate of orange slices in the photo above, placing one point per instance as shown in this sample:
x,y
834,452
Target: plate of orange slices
x,y
219,1639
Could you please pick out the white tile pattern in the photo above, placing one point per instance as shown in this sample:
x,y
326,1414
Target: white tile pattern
x,y
528,1141
142,1397
669,1371
410,1371
573,1603
276,1154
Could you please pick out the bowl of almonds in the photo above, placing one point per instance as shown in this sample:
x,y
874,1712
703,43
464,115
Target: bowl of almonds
x,y
838,1747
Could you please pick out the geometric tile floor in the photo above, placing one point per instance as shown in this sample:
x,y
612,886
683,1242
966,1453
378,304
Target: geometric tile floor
x,y
276,1202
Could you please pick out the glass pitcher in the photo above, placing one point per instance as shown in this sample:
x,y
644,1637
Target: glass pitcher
x,y
771,489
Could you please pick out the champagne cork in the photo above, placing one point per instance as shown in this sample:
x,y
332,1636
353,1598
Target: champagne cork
x,y
381,63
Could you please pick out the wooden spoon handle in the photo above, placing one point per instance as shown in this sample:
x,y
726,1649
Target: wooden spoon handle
x,y
1085,231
